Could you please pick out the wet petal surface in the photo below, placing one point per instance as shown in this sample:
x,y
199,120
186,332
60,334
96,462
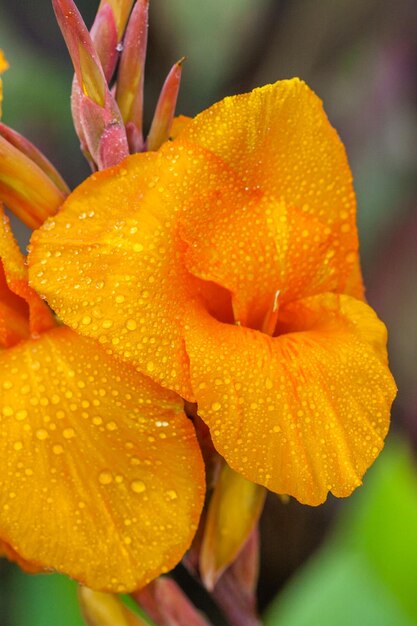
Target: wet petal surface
x,y
22,311
102,476
302,413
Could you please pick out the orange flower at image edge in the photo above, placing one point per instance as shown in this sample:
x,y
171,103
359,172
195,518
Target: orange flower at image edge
x,y
225,267
96,457
3,67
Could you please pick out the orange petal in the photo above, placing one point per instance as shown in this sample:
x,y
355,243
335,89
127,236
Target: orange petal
x,y
178,124
227,223
102,476
112,265
26,312
7,551
279,140
3,67
3,62
302,413
14,315
254,246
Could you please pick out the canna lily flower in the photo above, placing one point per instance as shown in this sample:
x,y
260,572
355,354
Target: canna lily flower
x,y
225,267
3,67
96,458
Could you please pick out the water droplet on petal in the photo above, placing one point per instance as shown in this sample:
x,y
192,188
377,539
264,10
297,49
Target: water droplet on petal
x,y
105,478
138,486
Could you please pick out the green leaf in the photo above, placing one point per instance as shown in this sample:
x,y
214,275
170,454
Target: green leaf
x,y
366,574
44,600
338,589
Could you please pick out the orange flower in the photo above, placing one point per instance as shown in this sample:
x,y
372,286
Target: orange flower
x,y
225,266
3,67
96,458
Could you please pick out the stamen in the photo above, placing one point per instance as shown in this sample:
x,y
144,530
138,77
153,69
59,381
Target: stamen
x,y
271,318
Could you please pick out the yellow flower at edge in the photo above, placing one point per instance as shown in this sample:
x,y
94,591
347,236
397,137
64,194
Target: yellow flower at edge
x,y
226,267
3,67
101,476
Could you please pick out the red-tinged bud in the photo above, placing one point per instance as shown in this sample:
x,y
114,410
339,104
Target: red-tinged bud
x,y
235,592
25,188
34,154
113,146
121,10
233,512
97,117
165,109
105,609
167,605
129,92
76,99
134,138
104,132
84,57
105,38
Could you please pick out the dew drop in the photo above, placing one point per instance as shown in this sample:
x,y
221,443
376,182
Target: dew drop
x,y
105,478
138,486
21,415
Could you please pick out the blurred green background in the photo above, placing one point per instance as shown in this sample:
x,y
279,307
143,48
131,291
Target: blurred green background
x,y
350,562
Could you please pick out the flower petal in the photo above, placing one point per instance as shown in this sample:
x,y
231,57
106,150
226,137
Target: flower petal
x,y
21,309
3,67
3,62
14,315
302,413
101,474
111,263
179,123
278,218
278,139
7,551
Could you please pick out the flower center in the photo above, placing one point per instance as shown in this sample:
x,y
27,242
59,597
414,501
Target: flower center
x,y
271,318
